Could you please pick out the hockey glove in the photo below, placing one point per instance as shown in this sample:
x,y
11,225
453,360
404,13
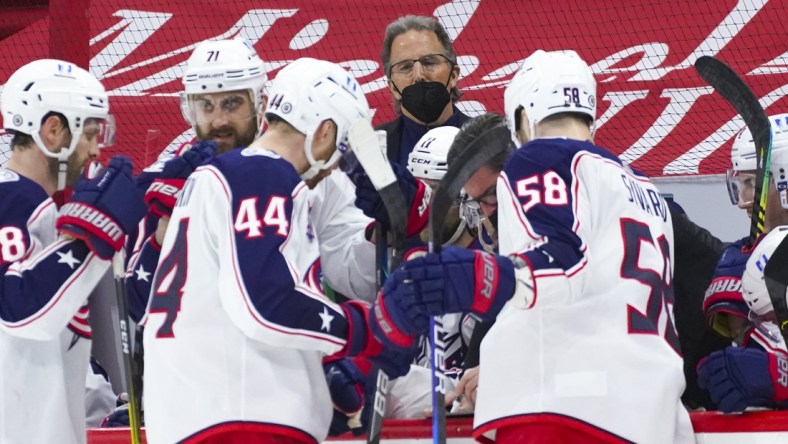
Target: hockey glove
x,y
120,416
102,210
456,280
164,190
363,341
737,378
351,383
417,197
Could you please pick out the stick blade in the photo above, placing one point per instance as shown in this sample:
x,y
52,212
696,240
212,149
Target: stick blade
x,y
732,88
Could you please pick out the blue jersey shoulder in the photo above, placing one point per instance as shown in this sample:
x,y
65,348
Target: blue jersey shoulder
x,y
19,198
257,171
540,155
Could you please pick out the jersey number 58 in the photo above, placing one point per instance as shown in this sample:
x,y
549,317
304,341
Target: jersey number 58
x,y
657,281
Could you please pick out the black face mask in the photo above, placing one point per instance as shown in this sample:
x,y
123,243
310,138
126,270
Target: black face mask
x,y
425,100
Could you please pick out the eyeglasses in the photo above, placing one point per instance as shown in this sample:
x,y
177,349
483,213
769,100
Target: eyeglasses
x,y
487,198
429,63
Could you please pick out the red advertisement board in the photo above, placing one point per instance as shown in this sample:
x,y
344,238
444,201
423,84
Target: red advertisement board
x,y
654,110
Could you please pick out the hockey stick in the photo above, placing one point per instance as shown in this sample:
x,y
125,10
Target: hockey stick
x,y
119,272
489,144
775,275
733,89
372,158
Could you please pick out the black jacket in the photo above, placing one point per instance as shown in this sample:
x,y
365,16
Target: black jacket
x,y
696,254
393,130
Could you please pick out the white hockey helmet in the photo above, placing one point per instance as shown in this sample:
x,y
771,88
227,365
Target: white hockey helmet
x,y
45,86
778,166
743,158
309,91
550,83
753,285
428,158
220,66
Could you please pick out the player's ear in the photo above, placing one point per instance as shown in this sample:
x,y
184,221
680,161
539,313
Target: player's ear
x,y
325,140
52,133
524,129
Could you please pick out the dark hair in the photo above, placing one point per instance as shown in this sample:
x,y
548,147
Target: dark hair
x,y
518,119
581,116
24,141
417,23
472,130
274,119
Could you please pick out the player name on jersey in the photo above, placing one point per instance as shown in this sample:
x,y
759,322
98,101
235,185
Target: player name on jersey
x,y
646,199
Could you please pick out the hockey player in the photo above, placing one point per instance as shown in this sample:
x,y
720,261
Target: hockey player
x,y
765,332
236,282
211,73
583,282
725,310
351,383
751,335
753,375
59,116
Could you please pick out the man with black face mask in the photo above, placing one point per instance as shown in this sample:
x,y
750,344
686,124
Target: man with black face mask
x,y
419,61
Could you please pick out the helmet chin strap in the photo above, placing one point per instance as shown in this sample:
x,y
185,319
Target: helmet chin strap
x,y
62,157
62,170
314,165
457,233
488,227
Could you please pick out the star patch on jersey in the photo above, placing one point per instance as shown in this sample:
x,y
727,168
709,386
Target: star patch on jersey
x,y
326,317
68,259
142,275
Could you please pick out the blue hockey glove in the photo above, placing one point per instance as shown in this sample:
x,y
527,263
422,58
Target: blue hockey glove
x,y
737,378
120,416
351,383
364,341
103,209
417,198
164,190
455,280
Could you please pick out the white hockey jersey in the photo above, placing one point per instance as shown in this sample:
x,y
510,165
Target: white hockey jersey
x,y
44,333
597,348
347,257
237,324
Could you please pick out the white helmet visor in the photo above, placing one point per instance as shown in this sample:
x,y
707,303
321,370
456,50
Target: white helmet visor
x,y
205,109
